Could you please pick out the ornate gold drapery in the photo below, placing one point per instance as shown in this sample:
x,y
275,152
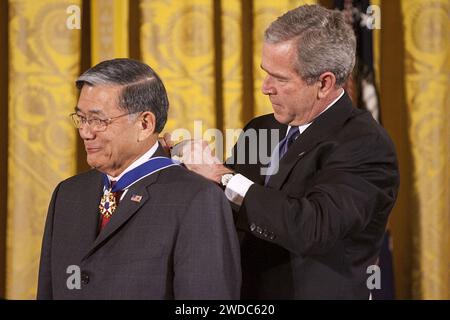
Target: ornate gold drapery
x,y
109,30
208,53
427,83
43,64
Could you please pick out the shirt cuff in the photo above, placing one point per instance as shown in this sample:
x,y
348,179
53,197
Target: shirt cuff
x,y
236,189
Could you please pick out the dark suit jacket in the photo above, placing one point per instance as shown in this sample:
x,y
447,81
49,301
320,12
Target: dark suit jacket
x,y
314,229
178,242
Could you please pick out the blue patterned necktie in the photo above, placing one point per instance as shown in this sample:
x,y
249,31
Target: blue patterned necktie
x,y
282,148
288,140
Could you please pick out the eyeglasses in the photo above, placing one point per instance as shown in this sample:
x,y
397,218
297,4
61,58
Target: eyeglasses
x,y
96,124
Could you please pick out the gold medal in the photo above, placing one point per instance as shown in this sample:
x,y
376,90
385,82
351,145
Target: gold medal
x,y
107,204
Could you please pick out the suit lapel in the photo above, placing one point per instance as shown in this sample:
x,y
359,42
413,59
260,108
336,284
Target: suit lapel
x,y
323,127
126,209
90,213
128,206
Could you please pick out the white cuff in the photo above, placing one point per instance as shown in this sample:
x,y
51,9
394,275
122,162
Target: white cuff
x,y
236,188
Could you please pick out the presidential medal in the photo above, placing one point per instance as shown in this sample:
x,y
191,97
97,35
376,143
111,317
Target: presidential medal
x,y
107,204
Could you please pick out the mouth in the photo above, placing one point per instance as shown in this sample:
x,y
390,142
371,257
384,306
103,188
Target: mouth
x,y
274,103
90,150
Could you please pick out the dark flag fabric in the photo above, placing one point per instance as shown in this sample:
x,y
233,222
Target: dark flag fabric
x,y
362,90
361,85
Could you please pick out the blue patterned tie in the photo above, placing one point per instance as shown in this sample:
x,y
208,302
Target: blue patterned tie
x,y
282,148
288,140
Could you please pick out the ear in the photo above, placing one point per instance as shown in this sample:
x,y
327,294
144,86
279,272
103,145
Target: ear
x,y
147,124
327,82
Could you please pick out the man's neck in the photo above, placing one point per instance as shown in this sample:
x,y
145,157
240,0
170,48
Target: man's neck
x,y
325,104
333,97
141,158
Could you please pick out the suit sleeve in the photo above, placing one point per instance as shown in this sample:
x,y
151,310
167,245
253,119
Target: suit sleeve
x,y
207,256
357,181
44,291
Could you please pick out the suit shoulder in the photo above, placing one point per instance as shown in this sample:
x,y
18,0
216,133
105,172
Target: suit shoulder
x,y
180,176
184,186
82,178
266,121
361,124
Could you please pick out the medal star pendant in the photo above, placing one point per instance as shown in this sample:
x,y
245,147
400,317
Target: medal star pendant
x,y
107,204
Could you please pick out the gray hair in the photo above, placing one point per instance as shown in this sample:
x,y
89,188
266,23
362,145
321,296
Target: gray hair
x,y
325,42
142,89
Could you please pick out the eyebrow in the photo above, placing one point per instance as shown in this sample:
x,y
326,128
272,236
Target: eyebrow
x,y
273,74
94,111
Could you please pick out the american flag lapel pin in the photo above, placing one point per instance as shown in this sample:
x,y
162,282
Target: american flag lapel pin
x,y
136,198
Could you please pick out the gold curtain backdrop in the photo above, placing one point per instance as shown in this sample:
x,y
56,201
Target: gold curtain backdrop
x,y
109,25
177,40
427,82
208,54
44,60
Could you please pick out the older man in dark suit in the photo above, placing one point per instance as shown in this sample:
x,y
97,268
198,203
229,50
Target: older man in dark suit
x,y
312,222
137,226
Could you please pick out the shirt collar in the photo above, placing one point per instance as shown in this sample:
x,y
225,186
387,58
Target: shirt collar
x,y
303,127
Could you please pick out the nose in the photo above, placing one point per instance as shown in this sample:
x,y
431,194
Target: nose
x,y
86,133
267,87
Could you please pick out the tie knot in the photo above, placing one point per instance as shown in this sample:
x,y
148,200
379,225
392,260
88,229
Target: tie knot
x,y
112,183
292,135
288,140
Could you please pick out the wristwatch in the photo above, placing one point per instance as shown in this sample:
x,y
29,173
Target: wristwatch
x,y
225,179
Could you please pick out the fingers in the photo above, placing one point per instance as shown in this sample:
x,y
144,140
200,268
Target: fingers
x,y
191,152
164,146
198,157
166,143
168,139
177,149
198,152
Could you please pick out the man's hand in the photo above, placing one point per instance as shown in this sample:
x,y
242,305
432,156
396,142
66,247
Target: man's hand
x,y
167,143
197,156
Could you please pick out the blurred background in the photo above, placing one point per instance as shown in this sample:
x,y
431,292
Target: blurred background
x,y
208,55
